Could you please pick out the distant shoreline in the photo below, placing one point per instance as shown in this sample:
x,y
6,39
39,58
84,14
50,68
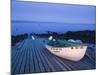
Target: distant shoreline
x,y
86,36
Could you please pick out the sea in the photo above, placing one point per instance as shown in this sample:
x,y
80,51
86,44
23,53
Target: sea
x,y
21,27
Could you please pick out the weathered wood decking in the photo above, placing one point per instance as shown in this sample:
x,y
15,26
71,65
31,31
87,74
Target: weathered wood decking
x,y
30,56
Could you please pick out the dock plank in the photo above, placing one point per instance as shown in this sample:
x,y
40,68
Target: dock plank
x,y
30,56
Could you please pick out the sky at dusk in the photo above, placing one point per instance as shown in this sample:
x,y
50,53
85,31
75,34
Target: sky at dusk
x,y
51,17
50,12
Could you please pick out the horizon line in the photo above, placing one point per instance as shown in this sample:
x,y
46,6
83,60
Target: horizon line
x,y
48,22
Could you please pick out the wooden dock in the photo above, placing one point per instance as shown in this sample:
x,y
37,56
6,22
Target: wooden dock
x,y
30,56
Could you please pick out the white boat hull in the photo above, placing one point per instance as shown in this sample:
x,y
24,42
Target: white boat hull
x,y
74,53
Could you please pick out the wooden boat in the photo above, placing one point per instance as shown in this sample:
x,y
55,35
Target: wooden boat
x,y
74,52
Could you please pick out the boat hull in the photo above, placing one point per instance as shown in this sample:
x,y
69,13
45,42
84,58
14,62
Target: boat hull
x,y
74,53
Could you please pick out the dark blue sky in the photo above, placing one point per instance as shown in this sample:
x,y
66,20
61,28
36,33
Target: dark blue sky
x,y
46,12
39,17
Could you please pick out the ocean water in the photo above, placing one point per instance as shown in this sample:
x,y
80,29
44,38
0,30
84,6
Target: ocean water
x,y
21,27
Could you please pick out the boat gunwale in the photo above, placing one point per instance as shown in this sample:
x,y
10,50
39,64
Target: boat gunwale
x,y
67,46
